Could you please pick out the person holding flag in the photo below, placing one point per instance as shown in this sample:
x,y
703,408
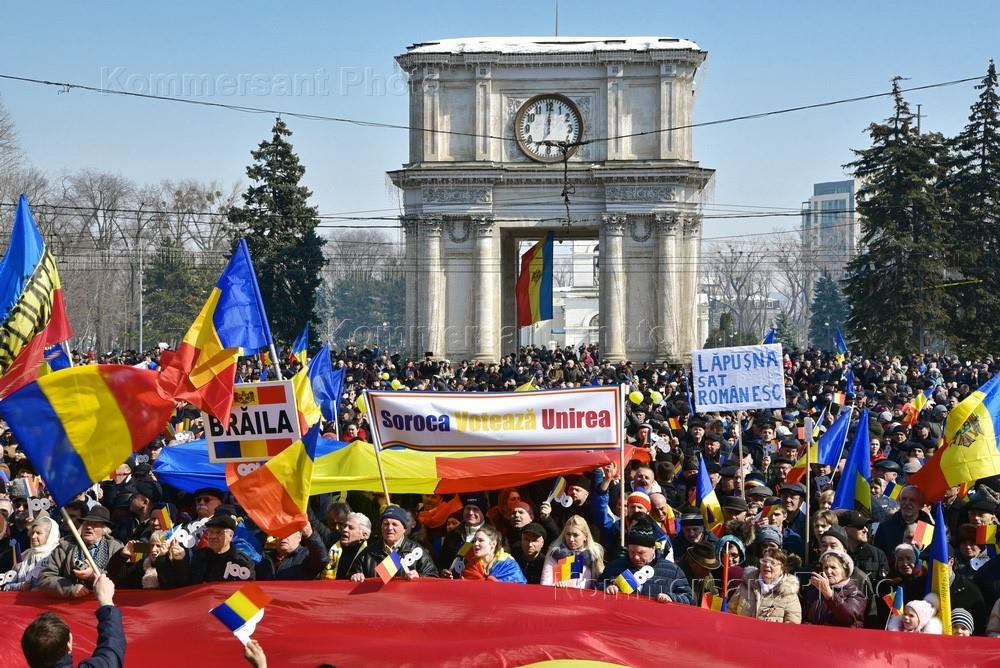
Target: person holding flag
x,y
575,560
393,541
663,580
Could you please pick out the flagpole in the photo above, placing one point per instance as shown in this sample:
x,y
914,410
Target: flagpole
x,y
377,444
621,470
809,441
739,444
79,541
276,362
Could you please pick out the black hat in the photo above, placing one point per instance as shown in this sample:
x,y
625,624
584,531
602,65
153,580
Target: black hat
x,y
141,470
782,459
122,500
476,500
888,465
852,519
734,504
578,480
729,470
759,491
982,504
395,513
98,515
641,533
534,528
210,491
692,520
789,443
838,533
712,467
222,521
793,488
149,489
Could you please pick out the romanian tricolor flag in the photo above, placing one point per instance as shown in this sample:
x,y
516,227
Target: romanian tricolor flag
x,y
301,346
923,534
922,399
276,495
854,491
231,323
711,509
78,425
970,449
672,524
827,450
713,602
389,566
840,345
675,424
317,390
32,312
939,572
558,489
986,535
895,602
534,284
892,490
162,516
840,398
568,568
242,611
626,582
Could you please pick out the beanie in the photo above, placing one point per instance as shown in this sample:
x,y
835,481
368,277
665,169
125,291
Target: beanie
x,y
526,507
640,498
642,534
395,513
768,534
963,617
923,610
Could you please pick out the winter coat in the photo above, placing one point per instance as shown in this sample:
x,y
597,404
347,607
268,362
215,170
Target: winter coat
x,y
933,626
110,650
57,575
204,565
304,562
667,579
993,626
846,608
584,581
781,604
377,551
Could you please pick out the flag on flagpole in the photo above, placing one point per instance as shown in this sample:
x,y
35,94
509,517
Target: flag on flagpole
x,y
840,344
923,534
849,383
54,359
32,312
892,490
854,491
300,348
828,449
770,337
895,602
317,388
939,572
986,535
162,516
242,611
276,495
708,501
231,323
79,425
922,399
672,524
533,290
626,582
970,449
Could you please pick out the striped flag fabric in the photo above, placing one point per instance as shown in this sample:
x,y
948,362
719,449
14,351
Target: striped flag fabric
x,y
54,359
986,535
828,449
241,612
939,572
712,602
840,344
854,490
892,490
300,348
895,602
840,398
674,424
558,489
387,569
162,516
32,311
533,290
708,501
672,523
626,582
317,389
568,568
923,534
770,337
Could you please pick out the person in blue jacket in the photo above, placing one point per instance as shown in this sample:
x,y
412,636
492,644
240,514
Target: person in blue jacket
x,y
637,505
487,560
645,571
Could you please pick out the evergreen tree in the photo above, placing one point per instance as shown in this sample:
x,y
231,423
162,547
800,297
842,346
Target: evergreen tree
x,y
727,335
280,229
173,292
973,183
785,332
829,311
893,285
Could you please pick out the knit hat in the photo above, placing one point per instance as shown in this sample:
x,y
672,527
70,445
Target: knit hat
x,y
769,534
911,467
641,533
579,480
838,533
395,513
963,617
923,610
526,507
640,498
475,500
845,559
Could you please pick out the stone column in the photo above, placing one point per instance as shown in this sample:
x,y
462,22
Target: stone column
x,y
666,286
431,112
411,278
666,110
432,302
688,307
486,265
612,295
509,331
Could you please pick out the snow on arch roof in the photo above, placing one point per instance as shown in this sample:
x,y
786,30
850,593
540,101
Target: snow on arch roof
x,y
549,45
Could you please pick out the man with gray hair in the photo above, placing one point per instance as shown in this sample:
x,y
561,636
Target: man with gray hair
x,y
890,532
353,540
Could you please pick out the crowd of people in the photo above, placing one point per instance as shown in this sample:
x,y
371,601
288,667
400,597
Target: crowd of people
x,y
762,564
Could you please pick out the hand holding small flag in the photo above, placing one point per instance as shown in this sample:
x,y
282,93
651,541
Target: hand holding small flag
x,y
242,611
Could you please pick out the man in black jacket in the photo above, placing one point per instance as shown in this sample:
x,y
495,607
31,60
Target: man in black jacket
x,y
393,539
300,556
47,641
529,552
217,562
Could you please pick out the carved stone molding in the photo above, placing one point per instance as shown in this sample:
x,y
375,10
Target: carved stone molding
x,y
456,195
614,223
431,225
409,226
667,223
483,225
459,229
640,193
692,225
641,229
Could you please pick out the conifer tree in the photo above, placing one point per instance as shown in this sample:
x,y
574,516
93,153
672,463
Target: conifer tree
x,y
784,332
173,292
829,311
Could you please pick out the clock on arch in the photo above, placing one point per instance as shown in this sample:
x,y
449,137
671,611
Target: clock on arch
x,y
543,122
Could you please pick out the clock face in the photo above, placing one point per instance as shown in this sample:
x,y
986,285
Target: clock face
x,y
547,118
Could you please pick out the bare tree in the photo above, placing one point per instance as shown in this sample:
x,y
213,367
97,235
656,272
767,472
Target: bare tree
x,y
742,283
10,153
795,273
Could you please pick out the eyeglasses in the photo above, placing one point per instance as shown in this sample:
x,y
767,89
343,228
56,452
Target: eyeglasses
x,y
767,561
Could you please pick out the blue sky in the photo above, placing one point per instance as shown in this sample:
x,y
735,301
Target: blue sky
x,y
762,56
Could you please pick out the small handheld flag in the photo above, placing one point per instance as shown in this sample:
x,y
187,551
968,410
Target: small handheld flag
x,y
713,602
940,573
923,534
242,611
568,568
675,423
895,602
708,501
986,535
892,490
391,565
162,516
626,582
558,489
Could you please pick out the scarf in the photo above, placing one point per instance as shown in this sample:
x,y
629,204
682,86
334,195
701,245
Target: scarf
x,y
101,553
561,552
766,589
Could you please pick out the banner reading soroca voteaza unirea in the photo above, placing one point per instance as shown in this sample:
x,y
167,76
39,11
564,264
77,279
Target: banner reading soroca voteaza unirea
x,y
587,418
746,377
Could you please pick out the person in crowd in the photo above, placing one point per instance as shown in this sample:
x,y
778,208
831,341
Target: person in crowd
x,y
866,556
354,535
578,489
145,498
769,592
666,583
47,640
832,598
700,565
219,560
299,556
891,531
961,623
530,552
68,573
473,517
918,617
393,539
137,568
44,539
576,560
487,560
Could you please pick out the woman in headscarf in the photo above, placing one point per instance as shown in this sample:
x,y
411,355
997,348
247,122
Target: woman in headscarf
x,y
576,560
44,538
832,598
